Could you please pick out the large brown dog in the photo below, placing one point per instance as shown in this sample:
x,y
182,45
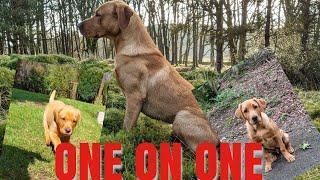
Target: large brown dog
x,y
262,129
59,120
151,85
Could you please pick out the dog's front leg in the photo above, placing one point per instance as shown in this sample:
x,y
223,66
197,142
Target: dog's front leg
x,y
133,80
289,157
55,140
135,90
133,108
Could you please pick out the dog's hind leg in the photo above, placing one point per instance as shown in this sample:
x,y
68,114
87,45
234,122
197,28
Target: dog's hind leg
x,y
194,129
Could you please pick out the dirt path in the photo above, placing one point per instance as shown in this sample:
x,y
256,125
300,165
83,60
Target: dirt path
x,y
262,76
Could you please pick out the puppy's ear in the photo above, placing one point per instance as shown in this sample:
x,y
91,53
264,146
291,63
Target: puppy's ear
x,y
56,113
124,14
238,112
78,115
262,103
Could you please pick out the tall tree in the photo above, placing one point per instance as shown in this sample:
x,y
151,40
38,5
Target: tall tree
x,y
243,30
230,33
267,28
305,25
219,35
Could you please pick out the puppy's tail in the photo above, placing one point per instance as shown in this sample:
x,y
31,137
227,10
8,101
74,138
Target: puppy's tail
x,y
53,94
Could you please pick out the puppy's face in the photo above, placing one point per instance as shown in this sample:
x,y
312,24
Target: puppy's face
x,y
108,20
67,119
250,110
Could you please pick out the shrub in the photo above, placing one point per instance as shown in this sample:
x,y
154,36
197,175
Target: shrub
x,y
60,78
205,82
113,120
115,100
12,60
2,132
36,79
91,72
89,83
6,81
4,59
6,77
89,63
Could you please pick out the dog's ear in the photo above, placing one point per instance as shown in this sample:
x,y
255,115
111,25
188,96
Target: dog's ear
x,y
56,113
124,14
262,103
78,115
238,112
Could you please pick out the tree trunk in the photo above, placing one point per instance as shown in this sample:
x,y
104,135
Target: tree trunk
x,y
174,36
267,28
219,35
194,35
306,25
186,54
43,28
231,34
243,34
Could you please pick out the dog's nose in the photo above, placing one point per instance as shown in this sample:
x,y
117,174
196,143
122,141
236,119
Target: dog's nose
x,y
68,130
255,119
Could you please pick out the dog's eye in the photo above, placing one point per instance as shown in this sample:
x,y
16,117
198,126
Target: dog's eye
x,y
255,107
63,119
245,110
74,121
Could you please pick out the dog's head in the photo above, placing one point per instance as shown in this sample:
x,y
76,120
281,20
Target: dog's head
x,y
67,119
250,110
108,20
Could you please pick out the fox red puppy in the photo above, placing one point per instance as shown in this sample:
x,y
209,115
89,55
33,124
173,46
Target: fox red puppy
x,y
262,129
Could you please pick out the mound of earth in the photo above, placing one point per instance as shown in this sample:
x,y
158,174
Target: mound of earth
x,y
261,76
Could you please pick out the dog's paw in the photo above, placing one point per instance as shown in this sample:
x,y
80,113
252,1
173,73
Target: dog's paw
x,y
291,150
274,158
48,142
290,158
267,168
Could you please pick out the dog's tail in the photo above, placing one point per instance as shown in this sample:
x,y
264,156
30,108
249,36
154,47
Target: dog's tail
x,y
53,94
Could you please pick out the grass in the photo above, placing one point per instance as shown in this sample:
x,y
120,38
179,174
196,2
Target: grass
x,y
311,101
25,154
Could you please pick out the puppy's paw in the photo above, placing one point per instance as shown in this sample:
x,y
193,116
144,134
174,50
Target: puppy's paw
x,y
267,168
274,158
291,150
48,142
289,157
